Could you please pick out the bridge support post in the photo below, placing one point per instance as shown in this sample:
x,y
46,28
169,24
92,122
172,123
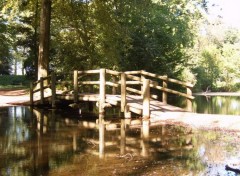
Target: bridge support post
x,y
123,92
189,101
124,108
114,88
146,99
102,91
41,90
101,127
31,94
142,79
123,137
53,87
75,85
164,94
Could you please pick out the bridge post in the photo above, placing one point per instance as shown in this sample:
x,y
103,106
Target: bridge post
x,y
53,87
31,93
142,78
123,137
189,101
146,98
114,88
75,85
41,91
101,128
124,108
164,94
123,92
102,91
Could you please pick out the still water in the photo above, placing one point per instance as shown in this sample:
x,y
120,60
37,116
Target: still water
x,y
46,142
228,105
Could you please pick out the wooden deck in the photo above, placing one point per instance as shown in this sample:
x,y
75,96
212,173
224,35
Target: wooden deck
x,y
129,90
134,103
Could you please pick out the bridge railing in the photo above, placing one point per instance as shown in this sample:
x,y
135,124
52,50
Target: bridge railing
x,y
106,78
147,82
130,82
160,83
47,83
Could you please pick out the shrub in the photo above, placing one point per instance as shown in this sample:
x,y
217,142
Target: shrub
x,y
14,80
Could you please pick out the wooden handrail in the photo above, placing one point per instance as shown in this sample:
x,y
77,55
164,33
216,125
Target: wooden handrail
x,y
88,72
134,90
133,72
135,78
115,80
172,91
164,88
89,82
112,72
153,75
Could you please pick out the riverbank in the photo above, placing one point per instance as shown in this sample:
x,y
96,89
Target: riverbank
x,y
216,94
14,97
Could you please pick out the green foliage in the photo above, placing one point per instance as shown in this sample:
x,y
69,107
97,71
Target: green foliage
x,y
21,20
5,56
13,80
218,65
120,34
123,35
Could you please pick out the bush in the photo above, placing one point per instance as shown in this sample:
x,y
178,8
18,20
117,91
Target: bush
x,y
14,80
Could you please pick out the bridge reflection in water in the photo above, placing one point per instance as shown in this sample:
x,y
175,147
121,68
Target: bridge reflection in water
x,y
55,142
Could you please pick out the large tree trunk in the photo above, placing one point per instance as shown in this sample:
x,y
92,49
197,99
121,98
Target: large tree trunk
x,y
44,39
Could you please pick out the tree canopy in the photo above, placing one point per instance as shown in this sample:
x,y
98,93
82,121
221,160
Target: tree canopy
x,y
154,35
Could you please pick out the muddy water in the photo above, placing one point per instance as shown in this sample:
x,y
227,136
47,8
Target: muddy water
x,y
45,142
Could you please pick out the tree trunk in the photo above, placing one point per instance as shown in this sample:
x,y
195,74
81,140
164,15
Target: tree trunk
x,y
15,66
35,47
44,39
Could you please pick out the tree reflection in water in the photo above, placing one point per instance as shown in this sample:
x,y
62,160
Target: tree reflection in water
x,y
56,142
228,105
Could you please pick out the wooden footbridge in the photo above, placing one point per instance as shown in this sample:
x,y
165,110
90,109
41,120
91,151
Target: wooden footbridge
x,y
134,91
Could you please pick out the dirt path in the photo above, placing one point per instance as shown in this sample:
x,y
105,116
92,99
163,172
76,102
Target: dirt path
x,y
14,97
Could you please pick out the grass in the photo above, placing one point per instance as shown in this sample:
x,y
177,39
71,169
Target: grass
x,y
13,87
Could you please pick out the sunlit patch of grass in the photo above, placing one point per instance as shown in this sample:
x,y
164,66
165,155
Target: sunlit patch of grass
x,y
13,87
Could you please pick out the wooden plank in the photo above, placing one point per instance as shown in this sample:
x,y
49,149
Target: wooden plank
x,y
89,82
75,85
133,82
146,98
133,90
167,79
135,78
89,72
152,75
123,92
180,82
133,72
112,84
112,72
102,90
112,102
133,101
172,91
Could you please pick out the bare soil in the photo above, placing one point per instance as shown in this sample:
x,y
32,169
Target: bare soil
x,y
14,97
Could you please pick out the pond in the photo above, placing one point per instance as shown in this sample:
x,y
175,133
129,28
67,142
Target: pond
x,y
228,105
63,142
